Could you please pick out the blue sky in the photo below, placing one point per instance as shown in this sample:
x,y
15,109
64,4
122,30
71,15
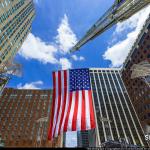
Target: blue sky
x,y
58,25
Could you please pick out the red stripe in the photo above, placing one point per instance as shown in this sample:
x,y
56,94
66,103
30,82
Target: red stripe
x,y
52,108
64,101
59,99
68,112
83,112
74,121
92,117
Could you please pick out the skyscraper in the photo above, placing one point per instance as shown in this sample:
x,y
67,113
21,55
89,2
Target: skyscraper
x,y
24,118
138,90
115,114
16,17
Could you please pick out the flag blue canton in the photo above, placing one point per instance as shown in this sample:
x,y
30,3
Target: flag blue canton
x,y
79,79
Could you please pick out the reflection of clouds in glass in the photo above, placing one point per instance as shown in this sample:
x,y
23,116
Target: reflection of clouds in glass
x,y
71,139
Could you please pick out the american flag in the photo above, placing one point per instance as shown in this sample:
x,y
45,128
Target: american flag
x,y
72,107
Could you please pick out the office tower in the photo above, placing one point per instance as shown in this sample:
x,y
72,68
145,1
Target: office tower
x,y
16,17
86,138
115,114
24,118
137,88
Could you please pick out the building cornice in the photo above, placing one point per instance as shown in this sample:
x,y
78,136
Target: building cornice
x,y
136,43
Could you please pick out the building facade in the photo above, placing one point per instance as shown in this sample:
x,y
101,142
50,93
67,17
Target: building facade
x,y
115,115
86,138
138,90
24,118
16,17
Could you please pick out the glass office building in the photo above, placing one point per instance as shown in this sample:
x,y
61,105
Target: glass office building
x,y
115,115
86,138
16,17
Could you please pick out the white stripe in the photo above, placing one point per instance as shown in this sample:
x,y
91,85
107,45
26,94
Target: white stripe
x,y
79,111
61,103
67,103
56,103
69,127
88,122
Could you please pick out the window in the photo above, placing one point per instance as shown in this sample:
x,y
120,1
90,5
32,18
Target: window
x,y
148,27
13,95
147,37
43,96
148,56
148,46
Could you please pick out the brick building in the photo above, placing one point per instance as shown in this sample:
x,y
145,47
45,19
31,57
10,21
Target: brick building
x,y
138,90
23,118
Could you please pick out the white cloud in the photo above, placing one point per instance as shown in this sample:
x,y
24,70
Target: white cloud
x,y
66,37
130,23
65,63
76,58
35,48
32,85
119,51
81,58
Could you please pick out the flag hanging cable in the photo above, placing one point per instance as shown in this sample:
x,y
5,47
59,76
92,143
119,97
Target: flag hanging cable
x,y
72,107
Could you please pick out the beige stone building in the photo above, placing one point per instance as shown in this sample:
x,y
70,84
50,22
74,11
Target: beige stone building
x,y
16,17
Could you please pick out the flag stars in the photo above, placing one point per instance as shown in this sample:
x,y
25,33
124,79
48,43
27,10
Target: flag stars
x,y
79,79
